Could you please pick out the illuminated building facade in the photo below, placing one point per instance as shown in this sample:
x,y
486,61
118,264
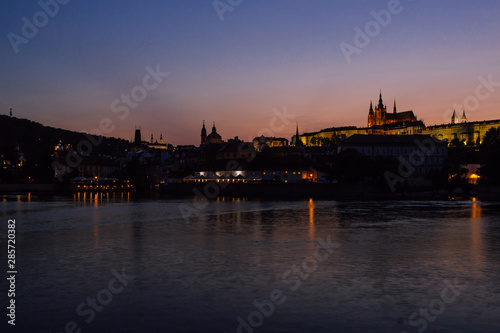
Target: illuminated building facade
x,y
138,144
262,141
155,144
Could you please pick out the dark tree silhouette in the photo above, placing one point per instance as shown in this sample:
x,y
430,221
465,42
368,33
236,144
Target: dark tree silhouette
x,y
490,155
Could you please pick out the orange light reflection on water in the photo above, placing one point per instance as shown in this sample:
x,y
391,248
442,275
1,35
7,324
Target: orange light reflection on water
x,y
476,231
311,220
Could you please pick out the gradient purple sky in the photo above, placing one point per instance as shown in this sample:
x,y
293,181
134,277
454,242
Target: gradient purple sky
x,y
264,55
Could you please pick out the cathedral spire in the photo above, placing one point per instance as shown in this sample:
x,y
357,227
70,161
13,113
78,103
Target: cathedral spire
x,y
380,102
395,110
203,135
454,118
371,107
298,142
203,129
464,117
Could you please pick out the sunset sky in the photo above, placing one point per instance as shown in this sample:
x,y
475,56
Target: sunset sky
x,y
264,55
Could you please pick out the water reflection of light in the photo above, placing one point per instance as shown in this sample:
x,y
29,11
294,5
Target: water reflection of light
x,y
29,196
476,231
95,199
311,219
476,209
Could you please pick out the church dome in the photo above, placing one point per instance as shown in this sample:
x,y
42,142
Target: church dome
x,y
214,135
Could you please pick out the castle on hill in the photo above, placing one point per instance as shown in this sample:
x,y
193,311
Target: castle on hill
x,y
382,122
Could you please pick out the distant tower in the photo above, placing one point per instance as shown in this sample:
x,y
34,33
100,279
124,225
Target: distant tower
x,y
152,140
203,135
298,141
454,118
464,118
11,112
380,111
161,138
395,110
137,139
371,116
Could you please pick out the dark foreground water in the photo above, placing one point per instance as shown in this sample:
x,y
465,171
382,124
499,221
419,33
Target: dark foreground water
x,y
104,263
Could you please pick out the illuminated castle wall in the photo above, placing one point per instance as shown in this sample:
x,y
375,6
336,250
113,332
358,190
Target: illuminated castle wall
x,y
404,123
471,133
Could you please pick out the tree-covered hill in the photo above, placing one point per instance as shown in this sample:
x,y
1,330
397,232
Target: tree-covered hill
x,y
33,137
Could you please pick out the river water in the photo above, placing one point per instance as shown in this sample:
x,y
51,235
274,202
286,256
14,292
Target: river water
x,y
113,263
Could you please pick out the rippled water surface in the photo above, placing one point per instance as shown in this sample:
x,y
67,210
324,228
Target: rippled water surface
x,y
237,265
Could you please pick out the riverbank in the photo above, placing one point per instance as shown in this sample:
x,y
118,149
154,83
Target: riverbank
x,y
278,191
